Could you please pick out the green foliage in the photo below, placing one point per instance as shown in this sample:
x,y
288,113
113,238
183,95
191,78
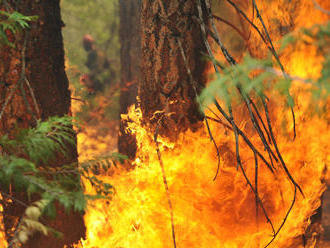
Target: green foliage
x,y
224,87
41,143
12,22
320,36
24,164
256,76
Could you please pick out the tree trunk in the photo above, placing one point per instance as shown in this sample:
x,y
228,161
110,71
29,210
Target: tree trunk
x,y
165,85
35,83
130,38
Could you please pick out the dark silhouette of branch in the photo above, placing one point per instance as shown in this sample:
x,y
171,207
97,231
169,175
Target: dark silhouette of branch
x,y
194,84
218,18
268,42
276,147
262,122
254,113
165,180
285,218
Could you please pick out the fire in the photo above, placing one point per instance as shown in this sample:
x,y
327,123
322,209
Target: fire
x,y
220,213
2,234
207,213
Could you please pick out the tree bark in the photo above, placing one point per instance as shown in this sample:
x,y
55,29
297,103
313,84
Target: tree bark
x,y
130,53
165,84
35,86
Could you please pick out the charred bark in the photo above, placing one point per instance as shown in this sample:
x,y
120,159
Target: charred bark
x,y
130,38
36,87
165,85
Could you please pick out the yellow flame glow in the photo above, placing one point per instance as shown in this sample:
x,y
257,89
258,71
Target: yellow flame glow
x,y
221,213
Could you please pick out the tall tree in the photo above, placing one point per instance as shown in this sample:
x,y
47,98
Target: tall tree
x,y
34,86
169,30
172,74
130,67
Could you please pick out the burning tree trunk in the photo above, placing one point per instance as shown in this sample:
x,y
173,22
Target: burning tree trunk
x,y
169,33
130,68
34,87
171,64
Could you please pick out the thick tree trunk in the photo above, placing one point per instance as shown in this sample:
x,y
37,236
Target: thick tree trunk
x,y
33,72
130,53
165,84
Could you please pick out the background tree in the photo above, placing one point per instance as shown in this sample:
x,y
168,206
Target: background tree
x,y
34,86
91,18
130,39
98,113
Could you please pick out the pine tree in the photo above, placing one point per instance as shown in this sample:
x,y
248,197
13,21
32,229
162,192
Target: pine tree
x,y
34,87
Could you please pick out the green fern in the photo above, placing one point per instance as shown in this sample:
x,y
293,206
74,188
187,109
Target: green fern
x,y
13,22
42,143
24,151
256,76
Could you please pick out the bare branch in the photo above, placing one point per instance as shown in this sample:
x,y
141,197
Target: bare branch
x,y
164,179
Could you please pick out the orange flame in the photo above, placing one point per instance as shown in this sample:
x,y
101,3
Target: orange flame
x,y
207,213
219,213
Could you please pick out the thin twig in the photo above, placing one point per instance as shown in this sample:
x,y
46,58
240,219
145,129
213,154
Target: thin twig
x,y
269,45
194,84
33,98
262,122
256,168
277,59
219,121
208,47
218,18
276,147
249,21
246,139
240,132
248,101
245,97
28,107
21,79
258,198
165,180
13,198
230,118
78,99
11,94
256,125
285,218
216,148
